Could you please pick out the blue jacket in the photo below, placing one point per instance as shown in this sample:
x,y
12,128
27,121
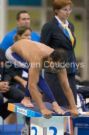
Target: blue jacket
x,y
9,39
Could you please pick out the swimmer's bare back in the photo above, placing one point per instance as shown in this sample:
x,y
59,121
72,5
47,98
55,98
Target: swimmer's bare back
x,y
30,50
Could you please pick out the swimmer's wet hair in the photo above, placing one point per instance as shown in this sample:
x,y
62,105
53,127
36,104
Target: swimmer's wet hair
x,y
59,55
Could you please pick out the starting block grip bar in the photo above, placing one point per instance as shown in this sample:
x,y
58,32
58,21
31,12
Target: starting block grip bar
x,y
30,112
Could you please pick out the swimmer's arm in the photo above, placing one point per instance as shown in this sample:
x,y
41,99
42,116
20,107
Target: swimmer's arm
x,y
34,90
62,75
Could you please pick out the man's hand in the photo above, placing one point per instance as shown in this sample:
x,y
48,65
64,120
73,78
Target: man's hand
x,y
22,81
46,113
4,87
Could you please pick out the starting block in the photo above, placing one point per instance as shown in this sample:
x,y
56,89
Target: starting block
x,y
81,125
36,124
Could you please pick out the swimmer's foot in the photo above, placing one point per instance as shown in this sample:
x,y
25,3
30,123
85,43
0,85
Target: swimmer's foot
x,y
57,108
27,102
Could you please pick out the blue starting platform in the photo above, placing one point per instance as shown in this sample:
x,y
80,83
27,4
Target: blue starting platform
x,y
28,112
36,124
31,112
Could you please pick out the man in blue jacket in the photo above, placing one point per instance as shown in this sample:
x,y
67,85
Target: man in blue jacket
x,y
23,19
